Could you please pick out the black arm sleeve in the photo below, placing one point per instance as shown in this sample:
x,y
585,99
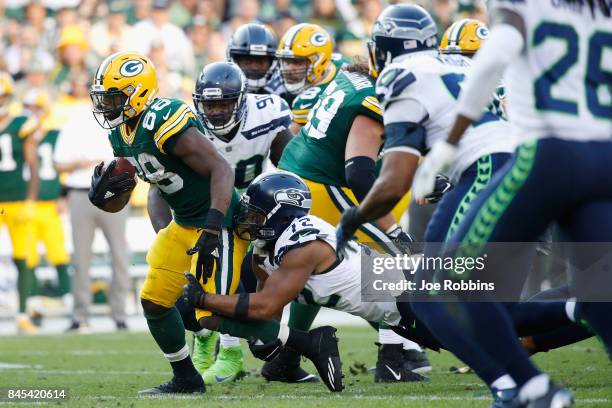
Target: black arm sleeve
x,y
360,174
405,134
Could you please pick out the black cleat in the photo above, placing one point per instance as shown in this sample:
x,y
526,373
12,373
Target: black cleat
x,y
324,354
391,367
178,385
556,397
416,361
507,398
285,367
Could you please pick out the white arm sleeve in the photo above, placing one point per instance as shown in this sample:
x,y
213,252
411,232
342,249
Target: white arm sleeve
x,y
504,44
404,110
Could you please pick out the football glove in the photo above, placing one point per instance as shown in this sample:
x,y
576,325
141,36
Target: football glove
x,y
207,250
438,160
404,242
442,186
345,231
264,351
193,293
104,186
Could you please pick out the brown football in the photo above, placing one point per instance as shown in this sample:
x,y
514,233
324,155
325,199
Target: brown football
x,y
117,203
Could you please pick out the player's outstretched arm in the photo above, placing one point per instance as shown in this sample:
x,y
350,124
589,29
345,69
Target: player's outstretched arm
x,y
202,157
30,156
281,287
158,209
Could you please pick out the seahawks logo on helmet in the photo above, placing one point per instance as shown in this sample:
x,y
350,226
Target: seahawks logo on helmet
x,y
318,39
293,196
131,68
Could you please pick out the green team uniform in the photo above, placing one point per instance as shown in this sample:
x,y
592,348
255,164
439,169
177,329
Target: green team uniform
x,y
50,186
158,129
304,102
13,187
317,151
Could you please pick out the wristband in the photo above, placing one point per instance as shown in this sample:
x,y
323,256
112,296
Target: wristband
x,y
242,307
214,220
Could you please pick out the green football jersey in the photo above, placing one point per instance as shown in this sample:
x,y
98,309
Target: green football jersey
x,y
50,187
159,126
13,186
303,103
317,151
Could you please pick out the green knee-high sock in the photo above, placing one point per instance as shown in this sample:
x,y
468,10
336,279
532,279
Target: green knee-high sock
x,y
301,316
63,279
169,333
34,287
264,330
25,277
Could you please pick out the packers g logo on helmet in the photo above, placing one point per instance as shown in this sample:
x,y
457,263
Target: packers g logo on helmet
x,y
131,68
464,37
305,42
124,86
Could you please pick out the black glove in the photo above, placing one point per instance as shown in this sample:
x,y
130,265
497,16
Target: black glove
x,y
193,292
443,185
345,231
105,187
404,242
207,249
265,351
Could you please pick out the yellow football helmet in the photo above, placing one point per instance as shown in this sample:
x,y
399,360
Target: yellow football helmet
x,y
304,53
124,86
6,92
464,37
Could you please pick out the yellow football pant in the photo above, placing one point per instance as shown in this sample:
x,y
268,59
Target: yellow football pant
x,y
168,260
329,202
48,228
20,232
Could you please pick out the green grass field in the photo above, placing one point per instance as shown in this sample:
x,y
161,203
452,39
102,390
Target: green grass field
x,y
109,369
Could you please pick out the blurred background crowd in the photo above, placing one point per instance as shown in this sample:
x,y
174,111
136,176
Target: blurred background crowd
x,y
55,46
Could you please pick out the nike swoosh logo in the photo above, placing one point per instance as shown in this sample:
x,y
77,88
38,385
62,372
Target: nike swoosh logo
x,y
222,379
167,115
397,376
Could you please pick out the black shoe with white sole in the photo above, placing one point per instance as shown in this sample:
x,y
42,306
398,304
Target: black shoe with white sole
x,y
323,351
285,367
391,367
178,385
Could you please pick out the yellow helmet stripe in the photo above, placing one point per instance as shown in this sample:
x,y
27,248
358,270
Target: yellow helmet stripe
x,y
290,35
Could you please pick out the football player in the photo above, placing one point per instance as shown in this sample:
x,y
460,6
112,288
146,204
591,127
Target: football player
x,y
245,129
253,48
336,153
418,88
164,140
295,258
48,227
307,65
557,102
18,197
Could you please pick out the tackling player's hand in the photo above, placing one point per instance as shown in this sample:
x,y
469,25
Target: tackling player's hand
x,y
442,186
345,231
193,293
207,249
438,160
104,186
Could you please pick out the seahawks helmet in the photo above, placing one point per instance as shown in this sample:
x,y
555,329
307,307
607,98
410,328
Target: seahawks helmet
x,y
401,29
253,48
269,205
220,97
